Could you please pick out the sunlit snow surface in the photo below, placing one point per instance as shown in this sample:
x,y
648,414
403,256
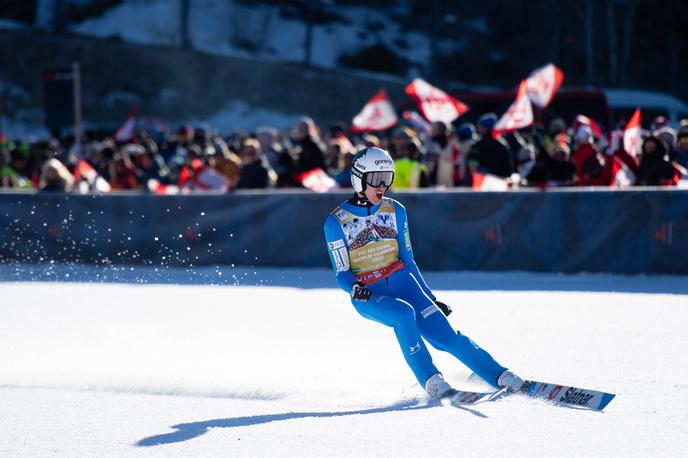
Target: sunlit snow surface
x,y
138,362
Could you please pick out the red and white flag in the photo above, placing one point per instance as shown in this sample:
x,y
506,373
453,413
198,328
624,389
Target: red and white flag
x,y
317,180
125,132
419,124
377,114
519,114
543,83
435,104
88,179
631,136
489,182
582,120
622,175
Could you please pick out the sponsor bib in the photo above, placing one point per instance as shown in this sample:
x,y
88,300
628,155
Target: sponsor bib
x,y
373,248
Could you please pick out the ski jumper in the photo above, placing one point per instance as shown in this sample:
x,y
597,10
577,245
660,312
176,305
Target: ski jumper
x,y
371,244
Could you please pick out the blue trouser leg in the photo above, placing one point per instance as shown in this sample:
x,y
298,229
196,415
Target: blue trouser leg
x,y
400,316
435,328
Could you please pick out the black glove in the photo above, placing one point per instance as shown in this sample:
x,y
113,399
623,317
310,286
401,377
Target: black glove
x,y
360,292
444,307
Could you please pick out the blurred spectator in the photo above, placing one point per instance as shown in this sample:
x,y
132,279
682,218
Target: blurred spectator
x,y
590,164
409,172
658,122
444,155
228,164
492,155
253,173
55,177
123,172
668,136
655,168
342,174
553,166
467,137
682,147
16,173
307,149
400,136
278,157
148,164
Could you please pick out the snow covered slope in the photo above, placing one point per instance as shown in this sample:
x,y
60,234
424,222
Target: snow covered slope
x,y
90,369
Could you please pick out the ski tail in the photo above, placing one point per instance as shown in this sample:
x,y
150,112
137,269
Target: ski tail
x,y
463,398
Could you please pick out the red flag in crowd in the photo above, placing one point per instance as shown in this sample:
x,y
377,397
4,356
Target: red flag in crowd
x,y
543,83
419,124
88,179
519,114
631,136
591,123
125,132
622,175
435,104
317,180
489,182
377,114
156,187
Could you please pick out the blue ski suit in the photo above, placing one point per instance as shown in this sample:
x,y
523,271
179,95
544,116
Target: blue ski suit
x,y
371,244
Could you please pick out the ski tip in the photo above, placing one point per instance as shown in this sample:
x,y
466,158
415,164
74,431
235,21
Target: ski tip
x,y
606,399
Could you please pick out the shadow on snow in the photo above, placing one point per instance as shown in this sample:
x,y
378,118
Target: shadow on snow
x,y
187,431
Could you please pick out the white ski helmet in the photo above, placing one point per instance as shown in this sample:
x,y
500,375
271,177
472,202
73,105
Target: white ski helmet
x,y
371,166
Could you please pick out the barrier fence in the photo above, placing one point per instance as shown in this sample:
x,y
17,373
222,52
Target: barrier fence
x,y
627,232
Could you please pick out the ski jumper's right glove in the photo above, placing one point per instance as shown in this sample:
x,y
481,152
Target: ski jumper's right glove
x,y
444,307
360,292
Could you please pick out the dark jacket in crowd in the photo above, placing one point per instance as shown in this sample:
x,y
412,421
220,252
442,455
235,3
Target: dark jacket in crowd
x,y
309,155
493,156
253,176
655,169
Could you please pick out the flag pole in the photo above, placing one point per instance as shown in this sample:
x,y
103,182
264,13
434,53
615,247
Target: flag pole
x,y
77,108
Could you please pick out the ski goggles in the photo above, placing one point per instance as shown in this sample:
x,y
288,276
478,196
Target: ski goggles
x,y
377,179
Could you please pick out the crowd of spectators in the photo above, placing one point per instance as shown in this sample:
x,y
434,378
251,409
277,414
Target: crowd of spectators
x,y
437,155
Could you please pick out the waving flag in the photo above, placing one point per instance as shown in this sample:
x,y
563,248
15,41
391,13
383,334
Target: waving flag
x,y
435,104
125,132
317,180
631,136
582,120
622,175
88,179
543,83
417,121
377,114
519,114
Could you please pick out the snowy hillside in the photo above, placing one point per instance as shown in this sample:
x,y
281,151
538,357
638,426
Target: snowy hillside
x,y
235,29
91,369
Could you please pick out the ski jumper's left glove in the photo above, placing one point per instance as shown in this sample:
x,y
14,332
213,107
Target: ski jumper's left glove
x,y
444,307
360,292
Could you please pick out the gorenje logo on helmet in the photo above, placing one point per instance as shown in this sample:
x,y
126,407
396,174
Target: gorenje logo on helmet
x,y
383,161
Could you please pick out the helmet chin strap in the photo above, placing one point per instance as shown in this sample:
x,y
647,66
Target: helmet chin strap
x,y
360,200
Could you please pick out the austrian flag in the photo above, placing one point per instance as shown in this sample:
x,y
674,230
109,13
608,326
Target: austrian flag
x,y
631,137
377,114
519,114
543,83
435,104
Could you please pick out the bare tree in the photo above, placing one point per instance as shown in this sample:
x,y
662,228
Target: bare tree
x,y
184,23
628,30
613,58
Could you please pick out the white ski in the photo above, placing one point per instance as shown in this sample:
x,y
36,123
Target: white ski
x,y
463,398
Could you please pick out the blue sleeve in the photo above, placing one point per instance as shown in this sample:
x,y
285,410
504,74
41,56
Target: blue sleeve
x,y
338,249
405,250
